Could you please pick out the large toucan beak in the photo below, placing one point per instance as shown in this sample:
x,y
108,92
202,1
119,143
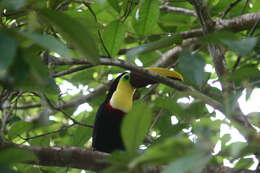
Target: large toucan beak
x,y
139,81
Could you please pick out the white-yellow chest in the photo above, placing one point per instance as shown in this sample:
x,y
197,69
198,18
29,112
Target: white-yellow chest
x,y
122,98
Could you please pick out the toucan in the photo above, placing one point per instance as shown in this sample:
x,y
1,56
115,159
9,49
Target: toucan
x,y
119,100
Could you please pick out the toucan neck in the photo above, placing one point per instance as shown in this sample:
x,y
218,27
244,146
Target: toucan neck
x,y
122,99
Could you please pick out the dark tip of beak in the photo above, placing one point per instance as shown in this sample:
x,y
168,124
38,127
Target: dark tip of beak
x,y
138,81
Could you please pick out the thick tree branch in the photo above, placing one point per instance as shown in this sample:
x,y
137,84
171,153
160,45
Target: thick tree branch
x,y
236,24
86,159
72,157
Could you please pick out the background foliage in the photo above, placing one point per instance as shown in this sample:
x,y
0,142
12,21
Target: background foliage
x,y
51,63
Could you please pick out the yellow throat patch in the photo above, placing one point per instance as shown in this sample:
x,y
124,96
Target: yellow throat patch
x,y
122,98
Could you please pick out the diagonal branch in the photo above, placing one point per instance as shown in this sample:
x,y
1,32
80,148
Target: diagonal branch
x,y
150,75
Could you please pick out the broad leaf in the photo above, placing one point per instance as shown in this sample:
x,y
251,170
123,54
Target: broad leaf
x,y
48,42
135,126
191,66
244,163
146,17
113,37
4,169
170,149
14,4
246,72
8,51
74,32
19,128
242,47
152,46
254,118
193,162
80,134
15,155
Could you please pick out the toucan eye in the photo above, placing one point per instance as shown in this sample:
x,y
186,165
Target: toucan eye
x,y
126,77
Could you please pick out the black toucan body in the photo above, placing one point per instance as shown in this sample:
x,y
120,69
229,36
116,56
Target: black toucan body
x,y
119,100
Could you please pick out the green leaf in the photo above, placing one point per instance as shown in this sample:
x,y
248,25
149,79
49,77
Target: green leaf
x,y
41,141
135,126
191,66
164,152
15,155
39,74
218,37
246,72
113,36
254,118
27,72
74,32
48,42
19,128
115,4
225,138
119,162
8,51
193,162
147,17
80,134
13,5
242,47
244,163
231,102
235,150
152,46
171,105
4,169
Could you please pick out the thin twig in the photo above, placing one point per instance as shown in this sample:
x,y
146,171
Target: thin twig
x,y
71,70
236,63
65,114
231,5
98,30
48,133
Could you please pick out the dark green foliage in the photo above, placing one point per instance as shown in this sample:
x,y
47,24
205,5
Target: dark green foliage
x,y
37,109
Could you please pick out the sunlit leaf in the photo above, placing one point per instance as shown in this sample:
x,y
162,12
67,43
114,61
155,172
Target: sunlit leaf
x,y
19,128
244,163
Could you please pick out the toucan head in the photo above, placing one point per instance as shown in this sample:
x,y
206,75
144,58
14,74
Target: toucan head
x,y
123,88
